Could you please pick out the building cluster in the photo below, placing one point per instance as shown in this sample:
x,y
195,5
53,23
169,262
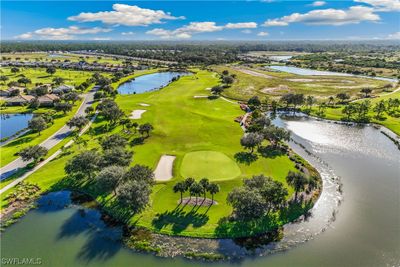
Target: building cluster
x,y
19,96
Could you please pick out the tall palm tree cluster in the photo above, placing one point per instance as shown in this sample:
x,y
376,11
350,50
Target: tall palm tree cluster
x,y
196,188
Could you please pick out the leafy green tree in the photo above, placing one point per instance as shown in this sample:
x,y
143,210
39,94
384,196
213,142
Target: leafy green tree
x,y
254,102
134,194
145,128
85,163
33,153
109,177
310,100
71,97
251,140
188,183
58,80
39,91
217,90
366,91
89,110
14,70
343,97
117,156
51,70
139,173
275,135
110,111
247,204
114,140
63,107
37,124
24,81
379,108
297,180
78,121
349,110
3,79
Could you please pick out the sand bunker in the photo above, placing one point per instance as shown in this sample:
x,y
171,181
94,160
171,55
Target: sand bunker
x,y
137,114
301,80
144,105
200,96
163,171
208,88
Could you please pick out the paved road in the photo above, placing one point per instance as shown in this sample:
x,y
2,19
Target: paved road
x,y
50,142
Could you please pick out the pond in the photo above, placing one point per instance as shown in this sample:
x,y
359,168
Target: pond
x,y
12,123
148,82
359,227
304,71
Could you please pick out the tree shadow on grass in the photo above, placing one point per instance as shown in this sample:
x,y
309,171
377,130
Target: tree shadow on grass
x,y
245,157
270,151
180,219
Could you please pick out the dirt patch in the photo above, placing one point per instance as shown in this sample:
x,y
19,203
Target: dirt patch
x,y
137,114
271,90
255,73
201,201
164,168
301,80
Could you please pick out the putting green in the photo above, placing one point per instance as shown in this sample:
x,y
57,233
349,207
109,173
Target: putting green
x,y
211,164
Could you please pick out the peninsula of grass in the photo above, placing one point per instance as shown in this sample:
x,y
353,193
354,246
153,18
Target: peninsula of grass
x,y
204,138
273,84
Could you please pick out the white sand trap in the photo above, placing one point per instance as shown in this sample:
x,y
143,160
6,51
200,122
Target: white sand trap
x,y
208,88
301,80
137,114
280,87
163,171
200,96
255,73
144,105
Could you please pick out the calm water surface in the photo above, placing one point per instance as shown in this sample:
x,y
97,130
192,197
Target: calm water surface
x,y
148,82
12,123
360,227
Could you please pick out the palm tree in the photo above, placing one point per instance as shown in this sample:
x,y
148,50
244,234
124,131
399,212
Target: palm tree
x,y
204,184
196,190
188,182
297,180
181,188
213,189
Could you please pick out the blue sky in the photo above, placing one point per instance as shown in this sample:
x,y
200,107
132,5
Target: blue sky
x,y
200,20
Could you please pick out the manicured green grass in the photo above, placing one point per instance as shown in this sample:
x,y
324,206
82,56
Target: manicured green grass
x,y
392,123
8,151
246,85
212,164
39,75
183,125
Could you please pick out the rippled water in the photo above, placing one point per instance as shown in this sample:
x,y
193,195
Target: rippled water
x,y
360,227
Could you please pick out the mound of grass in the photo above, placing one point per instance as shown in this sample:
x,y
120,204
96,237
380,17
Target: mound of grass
x,y
212,164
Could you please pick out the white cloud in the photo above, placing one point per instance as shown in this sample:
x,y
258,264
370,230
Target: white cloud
x,y
187,31
353,15
241,25
27,35
263,34
60,33
382,5
247,31
394,36
126,15
318,3
101,39
127,33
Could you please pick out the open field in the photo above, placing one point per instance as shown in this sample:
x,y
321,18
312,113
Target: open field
x,y
247,84
184,127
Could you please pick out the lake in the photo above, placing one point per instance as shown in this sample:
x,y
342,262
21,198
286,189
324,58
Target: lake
x,y
148,82
12,123
358,227
304,71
